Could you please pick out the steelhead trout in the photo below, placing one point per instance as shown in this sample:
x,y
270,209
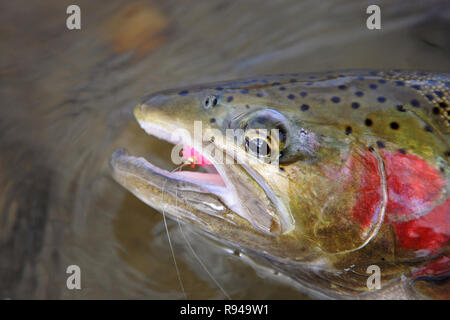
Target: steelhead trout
x,y
358,176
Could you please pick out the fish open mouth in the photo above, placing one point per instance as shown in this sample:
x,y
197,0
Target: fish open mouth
x,y
197,168
199,172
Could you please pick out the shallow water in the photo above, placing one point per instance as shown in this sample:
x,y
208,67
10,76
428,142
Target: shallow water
x,y
66,101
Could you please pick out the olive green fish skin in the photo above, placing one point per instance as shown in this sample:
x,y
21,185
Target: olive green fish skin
x,y
328,118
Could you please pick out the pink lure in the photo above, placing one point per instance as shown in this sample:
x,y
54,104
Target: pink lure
x,y
194,157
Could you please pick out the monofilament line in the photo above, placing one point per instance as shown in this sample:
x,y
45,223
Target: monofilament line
x,y
196,256
170,243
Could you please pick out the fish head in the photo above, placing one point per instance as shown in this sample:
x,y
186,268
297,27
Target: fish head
x,y
272,173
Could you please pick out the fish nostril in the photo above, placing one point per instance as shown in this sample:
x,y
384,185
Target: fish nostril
x,y
210,101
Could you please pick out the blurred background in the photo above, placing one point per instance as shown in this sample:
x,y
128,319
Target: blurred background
x,y
65,104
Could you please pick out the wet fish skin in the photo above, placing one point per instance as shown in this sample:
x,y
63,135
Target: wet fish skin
x,y
356,127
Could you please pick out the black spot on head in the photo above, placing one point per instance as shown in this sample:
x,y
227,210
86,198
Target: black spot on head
x,y
368,122
439,94
342,87
183,93
400,108
355,105
291,97
304,107
380,144
394,125
427,128
247,106
212,120
435,110
373,86
244,91
441,169
416,86
370,148
359,93
400,83
429,97
335,99
415,103
282,169
303,94
402,151
381,99
230,98
348,130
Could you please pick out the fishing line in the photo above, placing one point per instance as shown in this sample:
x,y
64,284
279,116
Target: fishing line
x,y
170,243
196,256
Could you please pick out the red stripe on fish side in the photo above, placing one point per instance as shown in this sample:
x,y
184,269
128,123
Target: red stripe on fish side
x,y
369,196
414,187
431,231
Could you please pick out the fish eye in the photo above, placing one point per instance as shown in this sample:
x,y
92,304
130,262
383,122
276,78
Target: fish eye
x,y
258,145
265,133
210,101
264,142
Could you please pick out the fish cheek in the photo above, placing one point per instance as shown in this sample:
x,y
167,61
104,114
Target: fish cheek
x,y
339,201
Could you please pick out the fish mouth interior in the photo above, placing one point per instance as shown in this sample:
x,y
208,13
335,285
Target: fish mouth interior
x,y
206,176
